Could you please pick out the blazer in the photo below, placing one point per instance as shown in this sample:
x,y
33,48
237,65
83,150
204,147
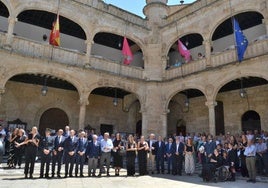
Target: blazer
x,y
70,145
160,151
47,143
153,145
82,145
93,150
168,150
59,143
174,148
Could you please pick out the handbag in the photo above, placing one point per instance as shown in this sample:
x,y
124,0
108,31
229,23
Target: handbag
x,y
122,152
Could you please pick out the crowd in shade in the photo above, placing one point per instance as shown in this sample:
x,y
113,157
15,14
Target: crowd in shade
x,y
222,156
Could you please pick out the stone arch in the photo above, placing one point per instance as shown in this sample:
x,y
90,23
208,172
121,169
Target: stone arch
x,y
231,76
46,6
117,84
8,6
119,32
176,91
224,17
176,37
59,105
25,69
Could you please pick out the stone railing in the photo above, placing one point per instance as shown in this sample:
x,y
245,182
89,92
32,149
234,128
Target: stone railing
x,y
253,50
220,59
186,69
103,64
2,38
46,51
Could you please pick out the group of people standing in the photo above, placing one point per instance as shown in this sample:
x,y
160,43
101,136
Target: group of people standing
x,y
75,149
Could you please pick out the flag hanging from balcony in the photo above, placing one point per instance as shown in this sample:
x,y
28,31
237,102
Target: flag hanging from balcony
x,y
184,51
126,51
240,40
54,38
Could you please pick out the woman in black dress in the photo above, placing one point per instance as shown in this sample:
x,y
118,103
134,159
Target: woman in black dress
x,y
31,144
243,145
142,156
11,156
131,149
118,159
19,150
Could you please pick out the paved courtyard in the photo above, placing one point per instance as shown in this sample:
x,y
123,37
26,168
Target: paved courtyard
x,y
14,178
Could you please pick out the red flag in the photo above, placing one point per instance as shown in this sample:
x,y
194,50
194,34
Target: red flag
x,y
128,56
54,38
184,51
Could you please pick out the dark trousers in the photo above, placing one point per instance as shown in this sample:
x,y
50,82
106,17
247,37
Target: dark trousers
x,y
69,160
57,159
30,155
160,163
131,165
45,160
80,160
169,163
18,157
177,164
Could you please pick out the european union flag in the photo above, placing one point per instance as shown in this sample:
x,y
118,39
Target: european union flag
x,y
241,41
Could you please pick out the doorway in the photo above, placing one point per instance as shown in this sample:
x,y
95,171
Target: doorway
x,y
53,118
251,121
106,128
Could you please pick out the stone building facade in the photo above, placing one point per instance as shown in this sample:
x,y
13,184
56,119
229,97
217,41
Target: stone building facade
x,y
155,98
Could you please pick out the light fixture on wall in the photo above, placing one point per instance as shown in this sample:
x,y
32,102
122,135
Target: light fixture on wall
x,y
242,91
115,100
44,89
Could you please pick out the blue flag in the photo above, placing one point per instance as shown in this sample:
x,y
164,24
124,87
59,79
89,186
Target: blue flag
x,y
241,41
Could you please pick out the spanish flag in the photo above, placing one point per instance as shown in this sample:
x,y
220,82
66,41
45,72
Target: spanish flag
x,y
54,38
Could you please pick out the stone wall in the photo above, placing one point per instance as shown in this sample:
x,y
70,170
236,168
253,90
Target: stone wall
x,y
24,101
196,118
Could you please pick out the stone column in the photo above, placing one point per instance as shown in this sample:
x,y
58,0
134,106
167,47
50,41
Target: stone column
x,y
265,22
211,113
2,91
207,44
83,101
11,25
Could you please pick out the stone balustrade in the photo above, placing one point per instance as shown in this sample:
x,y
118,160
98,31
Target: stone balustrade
x,y
2,39
74,58
45,51
254,49
103,64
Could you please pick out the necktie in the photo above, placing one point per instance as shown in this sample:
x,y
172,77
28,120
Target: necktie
x,y
59,138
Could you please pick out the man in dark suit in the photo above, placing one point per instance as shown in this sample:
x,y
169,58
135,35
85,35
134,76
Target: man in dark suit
x,y
80,153
58,152
46,147
177,154
169,154
160,151
70,146
151,151
93,153
209,148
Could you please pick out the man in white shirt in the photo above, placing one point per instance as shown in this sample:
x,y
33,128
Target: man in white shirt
x,y
250,153
261,150
151,156
106,148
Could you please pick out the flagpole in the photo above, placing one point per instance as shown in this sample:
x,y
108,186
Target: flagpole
x,y
52,51
232,22
177,47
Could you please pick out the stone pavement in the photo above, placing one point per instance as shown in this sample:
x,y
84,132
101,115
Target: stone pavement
x,y
14,178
